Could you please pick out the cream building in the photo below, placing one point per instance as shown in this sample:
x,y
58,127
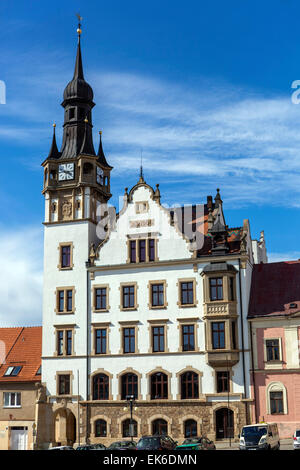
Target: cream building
x,y
149,302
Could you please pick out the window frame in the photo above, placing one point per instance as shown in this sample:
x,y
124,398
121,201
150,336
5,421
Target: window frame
x,y
17,397
60,264
219,332
65,291
126,285
182,281
94,297
62,340
161,282
150,251
195,383
217,278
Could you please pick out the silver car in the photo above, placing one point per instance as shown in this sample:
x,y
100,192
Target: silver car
x,y
296,441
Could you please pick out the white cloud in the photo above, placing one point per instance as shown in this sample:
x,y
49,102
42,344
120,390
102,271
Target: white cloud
x,y
21,276
288,256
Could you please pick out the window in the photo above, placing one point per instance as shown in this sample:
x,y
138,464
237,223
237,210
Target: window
x,y
190,428
231,288
101,341
188,337
129,385
100,428
128,426
151,249
187,293
218,335
64,342
233,332
12,399
276,402
13,371
157,295
100,298
71,113
158,338
39,371
129,340
65,300
216,288
189,385
100,387
159,386
133,251
142,250
128,296
65,256
64,384
222,381
159,427
272,346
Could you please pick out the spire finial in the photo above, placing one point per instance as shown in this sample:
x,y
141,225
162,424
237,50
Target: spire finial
x,y
79,31
141,168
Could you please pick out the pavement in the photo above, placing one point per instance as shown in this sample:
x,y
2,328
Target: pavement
x,y
285,444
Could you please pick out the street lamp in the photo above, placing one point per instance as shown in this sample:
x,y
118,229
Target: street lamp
x,y
130,399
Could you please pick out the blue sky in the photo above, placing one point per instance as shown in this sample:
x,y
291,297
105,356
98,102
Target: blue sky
x,y
204,88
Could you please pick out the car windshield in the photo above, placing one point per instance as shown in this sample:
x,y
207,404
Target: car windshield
x,y
148,442
254,431
192,440
298,433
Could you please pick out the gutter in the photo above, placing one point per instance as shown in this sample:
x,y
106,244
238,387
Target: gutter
x,y
242,331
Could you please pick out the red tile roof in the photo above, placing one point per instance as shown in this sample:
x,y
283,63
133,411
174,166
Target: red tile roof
x,y
23,347
275,286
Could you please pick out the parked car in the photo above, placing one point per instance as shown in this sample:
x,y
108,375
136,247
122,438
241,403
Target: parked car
x,y
262,436
197,443
62,448
156,443
122,445
86,447
98,446
296,442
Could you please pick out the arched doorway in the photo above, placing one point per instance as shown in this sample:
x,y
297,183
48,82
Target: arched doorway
x,y
159,427
224,423
64,428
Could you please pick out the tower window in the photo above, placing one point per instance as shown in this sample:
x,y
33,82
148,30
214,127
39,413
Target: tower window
x,y
72,113
81,113
216,288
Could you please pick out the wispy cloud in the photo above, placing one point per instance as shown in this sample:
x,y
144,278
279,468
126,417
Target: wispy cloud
x,y
288,256
21,276
243,141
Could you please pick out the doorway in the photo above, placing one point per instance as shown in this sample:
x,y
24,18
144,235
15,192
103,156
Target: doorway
x,y
18,437
224,423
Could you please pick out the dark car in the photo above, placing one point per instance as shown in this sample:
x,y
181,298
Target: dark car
x,y
156,443
86,447
122,445
197,443
98,447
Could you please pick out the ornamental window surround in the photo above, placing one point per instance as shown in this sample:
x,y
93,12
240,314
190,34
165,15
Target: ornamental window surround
x,y
65,300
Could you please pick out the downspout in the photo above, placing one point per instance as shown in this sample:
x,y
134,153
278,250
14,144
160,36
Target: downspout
x,y
87,357
253,375
243,344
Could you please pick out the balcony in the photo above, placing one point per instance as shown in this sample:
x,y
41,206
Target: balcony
x,y
217,309
222,358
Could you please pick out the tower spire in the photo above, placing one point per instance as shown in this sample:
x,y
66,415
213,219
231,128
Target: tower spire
x,y
141,180
78,104
54,153
100,154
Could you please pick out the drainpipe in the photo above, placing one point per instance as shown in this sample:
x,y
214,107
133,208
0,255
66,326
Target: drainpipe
x,y
242,331
87,356
253,375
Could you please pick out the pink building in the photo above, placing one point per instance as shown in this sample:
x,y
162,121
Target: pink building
x,y
274,327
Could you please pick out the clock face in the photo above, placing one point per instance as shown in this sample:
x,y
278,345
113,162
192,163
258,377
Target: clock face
x,y
66,171
100,175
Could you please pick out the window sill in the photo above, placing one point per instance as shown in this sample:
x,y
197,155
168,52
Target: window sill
x,y
13,406
187,305
104,310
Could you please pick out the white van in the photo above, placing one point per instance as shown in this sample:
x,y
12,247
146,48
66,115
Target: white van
x,y
262,436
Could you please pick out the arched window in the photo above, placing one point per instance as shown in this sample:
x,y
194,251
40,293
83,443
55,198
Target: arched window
x,y
100,387
129,384
276,398
100,428
126,428
190,428
159,386
189,385
159,427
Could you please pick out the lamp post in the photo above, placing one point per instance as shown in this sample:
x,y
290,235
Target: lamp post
x,y
130,400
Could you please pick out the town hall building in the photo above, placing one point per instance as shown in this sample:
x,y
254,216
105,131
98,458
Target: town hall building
x,y
144,310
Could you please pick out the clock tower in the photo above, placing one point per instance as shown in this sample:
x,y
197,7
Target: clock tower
x,y
76,182
76,179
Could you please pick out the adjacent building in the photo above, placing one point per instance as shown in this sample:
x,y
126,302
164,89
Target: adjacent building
x,y
149,302
274,326
20,386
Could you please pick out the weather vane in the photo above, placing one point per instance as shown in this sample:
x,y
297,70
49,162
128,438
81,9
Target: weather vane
x,y
79,23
